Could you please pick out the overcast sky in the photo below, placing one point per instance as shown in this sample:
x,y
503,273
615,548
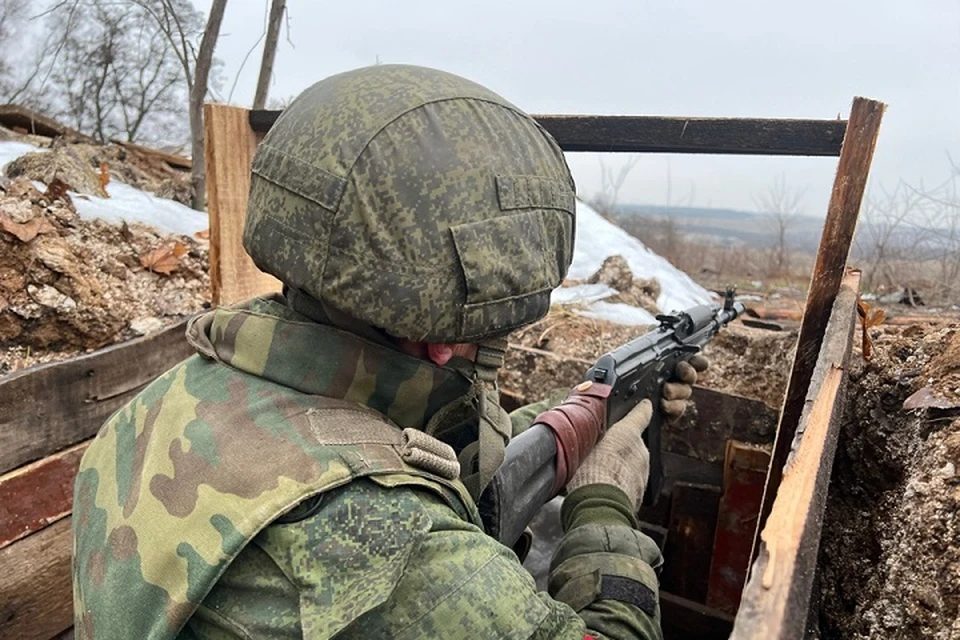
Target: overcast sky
x,y
677,58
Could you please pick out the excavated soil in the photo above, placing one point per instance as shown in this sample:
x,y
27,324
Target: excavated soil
x,y
68,285
890,552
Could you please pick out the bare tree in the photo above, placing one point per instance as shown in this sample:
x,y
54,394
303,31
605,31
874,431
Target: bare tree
x,y
174,19
12,15
107,70
611,181
784,204
277,9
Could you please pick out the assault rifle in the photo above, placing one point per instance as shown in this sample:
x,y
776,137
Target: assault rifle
x,y
540,461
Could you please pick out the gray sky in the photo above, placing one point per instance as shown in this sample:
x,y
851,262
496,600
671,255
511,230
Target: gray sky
x,y
678,58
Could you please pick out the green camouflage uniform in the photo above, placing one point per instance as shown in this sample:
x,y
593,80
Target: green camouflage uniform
x,y
294,479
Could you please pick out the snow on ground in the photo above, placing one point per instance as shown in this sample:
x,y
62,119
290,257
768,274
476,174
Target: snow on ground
x,y
125,202
598,239
134,205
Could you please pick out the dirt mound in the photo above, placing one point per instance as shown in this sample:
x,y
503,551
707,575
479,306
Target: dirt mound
x,y
61,163
637,292
890,552
69,285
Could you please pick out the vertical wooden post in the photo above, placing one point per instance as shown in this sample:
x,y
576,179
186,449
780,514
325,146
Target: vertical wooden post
x,y
776,599
828,271
229,148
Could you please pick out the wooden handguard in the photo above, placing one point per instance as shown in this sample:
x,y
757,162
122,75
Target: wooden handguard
x,y
578,424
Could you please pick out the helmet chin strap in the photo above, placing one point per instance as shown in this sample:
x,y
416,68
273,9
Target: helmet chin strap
x,y
480,460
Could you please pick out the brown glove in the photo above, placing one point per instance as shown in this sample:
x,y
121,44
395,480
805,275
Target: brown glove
x,y
678,391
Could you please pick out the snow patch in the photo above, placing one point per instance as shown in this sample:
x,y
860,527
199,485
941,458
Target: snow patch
x,y
598,239
125,203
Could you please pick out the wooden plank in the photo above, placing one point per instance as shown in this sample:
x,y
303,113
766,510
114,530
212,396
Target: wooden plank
x,y
36,600
175,161
744,474
49,407
683,619
693,519
229,149
777,596
38,494
715,418
828,271
35,123
655,134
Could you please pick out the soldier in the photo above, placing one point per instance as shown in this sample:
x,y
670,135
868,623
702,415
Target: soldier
x,y
313,470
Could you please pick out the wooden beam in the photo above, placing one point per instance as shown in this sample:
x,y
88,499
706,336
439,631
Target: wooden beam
x,y
828,271
776,599
174,161
654,134
230,145
716,418
36,599
683,619
49,407
686,557
744,473
38,494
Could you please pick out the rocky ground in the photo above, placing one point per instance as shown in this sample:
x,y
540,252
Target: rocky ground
x,y
70,285
890,553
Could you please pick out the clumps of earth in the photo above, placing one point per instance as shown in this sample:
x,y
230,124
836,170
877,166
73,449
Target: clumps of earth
x,y
890,552
638,292
70,285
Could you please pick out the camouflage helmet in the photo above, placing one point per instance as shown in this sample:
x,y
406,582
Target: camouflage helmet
x,y
414,201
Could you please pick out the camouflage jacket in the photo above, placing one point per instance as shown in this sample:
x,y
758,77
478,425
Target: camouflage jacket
x,y
176,507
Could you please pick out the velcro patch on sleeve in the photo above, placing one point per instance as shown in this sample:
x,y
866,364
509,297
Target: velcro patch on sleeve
x,y
629,591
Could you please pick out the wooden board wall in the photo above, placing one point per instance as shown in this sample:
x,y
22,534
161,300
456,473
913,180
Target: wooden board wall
x,y
777,595
50,407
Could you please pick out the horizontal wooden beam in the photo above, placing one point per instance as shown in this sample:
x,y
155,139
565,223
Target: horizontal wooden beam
x,y
50,407
777,595
716,418
654,134
36,599
38,494
683,619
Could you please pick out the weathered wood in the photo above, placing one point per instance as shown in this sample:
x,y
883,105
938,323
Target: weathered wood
x,y
230,145
828,271
744,473
36,601
714,418
16,115
777,596
683,619
174,161
693,520
37,494
49,407
637,134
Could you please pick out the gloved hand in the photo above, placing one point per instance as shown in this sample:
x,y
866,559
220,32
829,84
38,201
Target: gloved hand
x,y
621,458
678,391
